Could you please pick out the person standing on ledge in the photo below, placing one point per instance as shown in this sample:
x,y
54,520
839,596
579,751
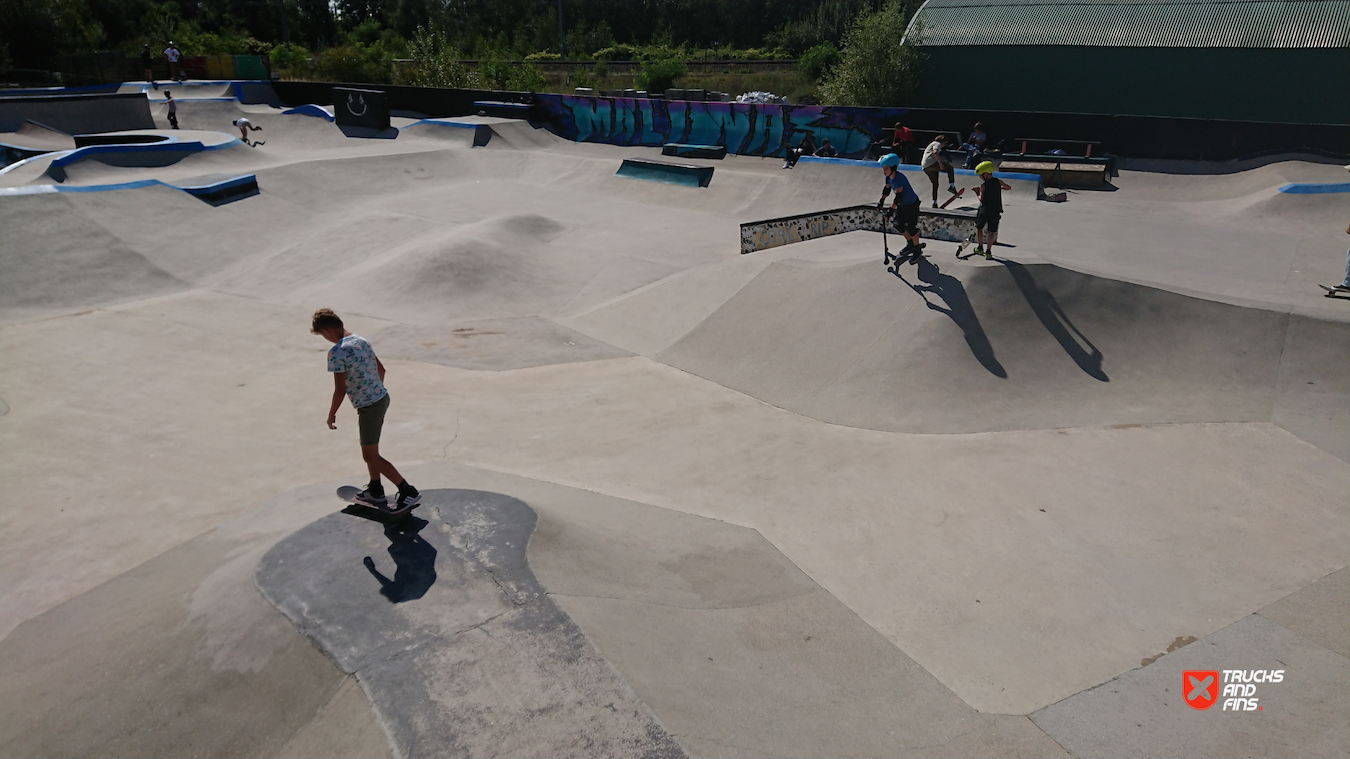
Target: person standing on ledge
x,y
359,375
148,64
175,69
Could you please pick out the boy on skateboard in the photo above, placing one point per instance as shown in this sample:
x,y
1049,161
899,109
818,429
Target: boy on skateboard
x,y
906,203
991,208
358,374
934,164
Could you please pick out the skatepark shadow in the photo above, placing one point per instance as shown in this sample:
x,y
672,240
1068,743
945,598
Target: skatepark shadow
x,y
958,309
390,133
414,562
1057,323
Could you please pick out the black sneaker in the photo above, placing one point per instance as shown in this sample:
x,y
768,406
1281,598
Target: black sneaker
x,y
372,501
406,502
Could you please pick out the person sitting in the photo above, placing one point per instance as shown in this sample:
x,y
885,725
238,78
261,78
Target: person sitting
x,y
902,140
826,150
974,143
807,147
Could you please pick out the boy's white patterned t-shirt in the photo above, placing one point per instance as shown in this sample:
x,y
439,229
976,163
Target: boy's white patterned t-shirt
x,y
354,357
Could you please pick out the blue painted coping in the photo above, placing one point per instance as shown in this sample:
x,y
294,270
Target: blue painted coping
x,y
482,133
309,109
171,145
1314,188
912,167
197,190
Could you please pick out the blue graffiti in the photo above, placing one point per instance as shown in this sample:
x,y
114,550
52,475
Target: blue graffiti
x,y
744,128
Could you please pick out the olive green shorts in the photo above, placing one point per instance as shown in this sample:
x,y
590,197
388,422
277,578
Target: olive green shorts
x,y
370,420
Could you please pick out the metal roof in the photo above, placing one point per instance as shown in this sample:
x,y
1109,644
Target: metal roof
x,y
1139,23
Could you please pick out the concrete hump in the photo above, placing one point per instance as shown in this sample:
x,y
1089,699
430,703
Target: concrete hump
x,y
961,348
459,648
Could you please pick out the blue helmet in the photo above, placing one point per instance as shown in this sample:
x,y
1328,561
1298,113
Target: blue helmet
x,y
890,159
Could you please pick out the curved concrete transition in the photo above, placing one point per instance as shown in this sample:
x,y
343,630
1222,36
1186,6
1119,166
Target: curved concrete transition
x,y
680,500
451,636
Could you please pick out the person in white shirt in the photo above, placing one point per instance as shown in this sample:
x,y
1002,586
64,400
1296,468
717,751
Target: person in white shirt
x,y
934,164
175,69
245,126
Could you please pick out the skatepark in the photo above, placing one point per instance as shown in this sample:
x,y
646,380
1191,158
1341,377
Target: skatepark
x,y
679,501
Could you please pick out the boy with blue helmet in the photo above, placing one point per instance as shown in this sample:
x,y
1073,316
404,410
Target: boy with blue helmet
x,y
906,203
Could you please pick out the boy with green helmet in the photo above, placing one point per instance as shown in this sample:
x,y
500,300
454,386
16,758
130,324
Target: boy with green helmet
x,y
990,192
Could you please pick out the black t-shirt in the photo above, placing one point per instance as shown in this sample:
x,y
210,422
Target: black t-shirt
x,y
991,197
145,58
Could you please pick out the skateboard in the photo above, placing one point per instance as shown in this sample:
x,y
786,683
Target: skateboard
x,y
1334,293
958,194
348,494
962,247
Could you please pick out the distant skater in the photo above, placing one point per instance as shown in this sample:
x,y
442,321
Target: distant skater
x,y
359,375
991,208
1344,286
147,63
245,126
173,109
934,164
826,150
906,203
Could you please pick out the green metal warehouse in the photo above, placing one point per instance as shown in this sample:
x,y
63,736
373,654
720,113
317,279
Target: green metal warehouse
x,y
1243,60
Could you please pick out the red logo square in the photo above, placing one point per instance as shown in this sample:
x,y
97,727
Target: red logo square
x,y
1200,687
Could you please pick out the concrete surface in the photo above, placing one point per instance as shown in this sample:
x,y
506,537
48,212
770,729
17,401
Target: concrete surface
x,y
993,495
443,622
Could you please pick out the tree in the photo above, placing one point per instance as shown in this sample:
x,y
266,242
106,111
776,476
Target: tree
x,y
879,65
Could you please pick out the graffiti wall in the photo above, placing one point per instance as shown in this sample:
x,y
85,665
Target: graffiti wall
x,y
934,224
744,128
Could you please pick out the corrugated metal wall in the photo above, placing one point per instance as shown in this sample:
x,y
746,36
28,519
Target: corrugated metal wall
x,y
1308,86
1121,23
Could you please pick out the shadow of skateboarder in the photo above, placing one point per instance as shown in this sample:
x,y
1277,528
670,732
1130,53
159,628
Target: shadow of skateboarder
x,y
414,561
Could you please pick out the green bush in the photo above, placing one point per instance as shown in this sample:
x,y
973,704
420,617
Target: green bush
x,y
875,68
347,63
283,58
659,75
543,57
435,63
617,53
515,77
818,60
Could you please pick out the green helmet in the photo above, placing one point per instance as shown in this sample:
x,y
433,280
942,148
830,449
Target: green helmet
x,y
985,167
890,159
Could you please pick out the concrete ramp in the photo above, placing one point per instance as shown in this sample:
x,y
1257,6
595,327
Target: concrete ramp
x,y
77,114
966,348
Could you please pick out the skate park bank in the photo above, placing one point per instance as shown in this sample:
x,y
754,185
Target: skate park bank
x,y
680,500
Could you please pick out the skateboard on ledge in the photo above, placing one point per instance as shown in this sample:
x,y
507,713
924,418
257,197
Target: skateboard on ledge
x,y
1333,292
